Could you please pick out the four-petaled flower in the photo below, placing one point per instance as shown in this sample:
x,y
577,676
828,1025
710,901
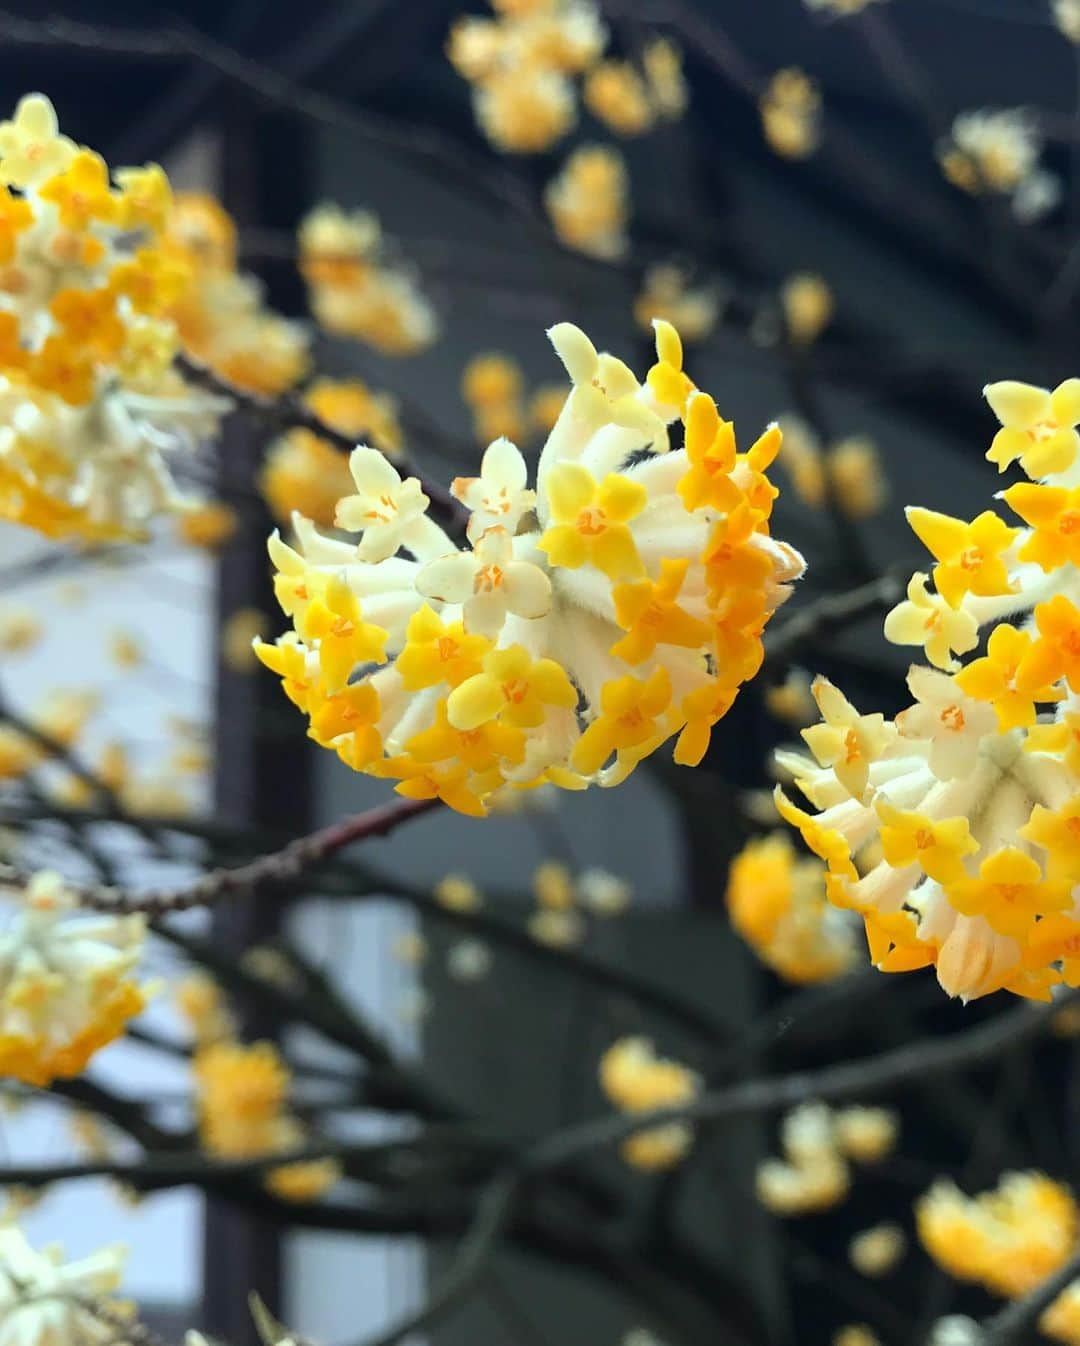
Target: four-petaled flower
x,y
1037,426
936,845
31,147
953,723
969,555
514,686
1057,832
1054,514
710,451
1010,676
629,709
334,619
847,741
489,582
590,521
926,619
385,508
1009,892
81,193
648,611
498,496
436,652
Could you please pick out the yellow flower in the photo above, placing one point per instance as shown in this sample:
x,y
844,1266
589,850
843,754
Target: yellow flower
x,y
627,719
969,555
513,686
1011,676
937,846
209,526
710,451
1057,832
650,614
553,886
1054,514
334,619
31,147
846,740
808,306
81,192
146,197
590,521
1037,426
437,653
480,747
791,114
241,1091
926,619
457,892
238,634
589,202
616,93
16,215
1010,891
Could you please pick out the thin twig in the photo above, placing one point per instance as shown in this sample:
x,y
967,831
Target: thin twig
x,y
1014,1321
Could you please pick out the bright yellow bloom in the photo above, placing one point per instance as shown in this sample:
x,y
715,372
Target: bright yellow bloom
x,y
437,653
808,306
81,193
650,614
1037,426
334,619
589,201
1054,514
969,555
1057,831
589,521
1011,676
616,93
627,720
513,686
937,847
791,114
1010,891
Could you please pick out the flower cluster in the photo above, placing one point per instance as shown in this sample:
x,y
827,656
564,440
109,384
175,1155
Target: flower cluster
x,y
90,400
219,312
493,387
973,792
43,1299
997,151
665,294
522,65
1008,1239
303,472
65,984
1067,18
777,904
242,1095
635,1079
356,289
589,201
790,109
849,474
619,603
818,1143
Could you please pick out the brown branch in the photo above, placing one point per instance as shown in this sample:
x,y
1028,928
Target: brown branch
x,y
829,614
280,866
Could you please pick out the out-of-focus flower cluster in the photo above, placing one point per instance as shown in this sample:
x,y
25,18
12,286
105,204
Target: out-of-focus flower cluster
x,y
523,62
819,1145
66,988
619,603
996,150
849,474
974,791
589,201
303,472
791,116
45,1300
219,312
666,295
356,289
90,399
635,1079
777,903
1008,1239
493,387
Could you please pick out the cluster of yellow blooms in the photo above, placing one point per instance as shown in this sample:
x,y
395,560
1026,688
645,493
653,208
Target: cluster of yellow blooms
x,y
665,294
356,290
777,903
997,151
849,473
619,603
242,1095
588,201
523,62
790,107
65,984
818,1143
220,316
493,387
635,1079
61,716
1008,1239
973,792
303,472
90,397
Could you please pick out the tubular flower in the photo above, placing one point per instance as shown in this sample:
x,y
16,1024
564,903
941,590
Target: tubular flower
x,y
635,1079
219,314
997,151
90,401
590,620
777,904
44,1299
791,114
973,790
356,290
65,984
242,1092
304,473
588,202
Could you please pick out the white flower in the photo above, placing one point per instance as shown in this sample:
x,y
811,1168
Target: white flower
x,y
31,146
1067,18
40,1295
384,508
953,723
497,497
488,582
468,960
603,893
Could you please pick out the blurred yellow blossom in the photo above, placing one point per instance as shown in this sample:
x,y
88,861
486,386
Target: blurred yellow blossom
x,y
589,201
665,294
808,305
635,1079
791,114
240,629
208,525
997,150
20,629
876,1251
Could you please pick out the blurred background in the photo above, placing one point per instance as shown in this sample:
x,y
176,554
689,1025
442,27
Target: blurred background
x,y
932,292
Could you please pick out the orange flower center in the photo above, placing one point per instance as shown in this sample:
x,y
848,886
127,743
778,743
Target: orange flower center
x,y
447,647
972,558
516,690
1069,522
487,579
591,521
952,717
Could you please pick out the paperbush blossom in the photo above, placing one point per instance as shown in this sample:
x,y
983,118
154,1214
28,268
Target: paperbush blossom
x,y
66,988
242,1096
997,150
875,1251
356,289
588,201
1008,1239
777,904
790,110
635,1079
617,604
817,1143
43,1299
89,401
665,294
973,792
